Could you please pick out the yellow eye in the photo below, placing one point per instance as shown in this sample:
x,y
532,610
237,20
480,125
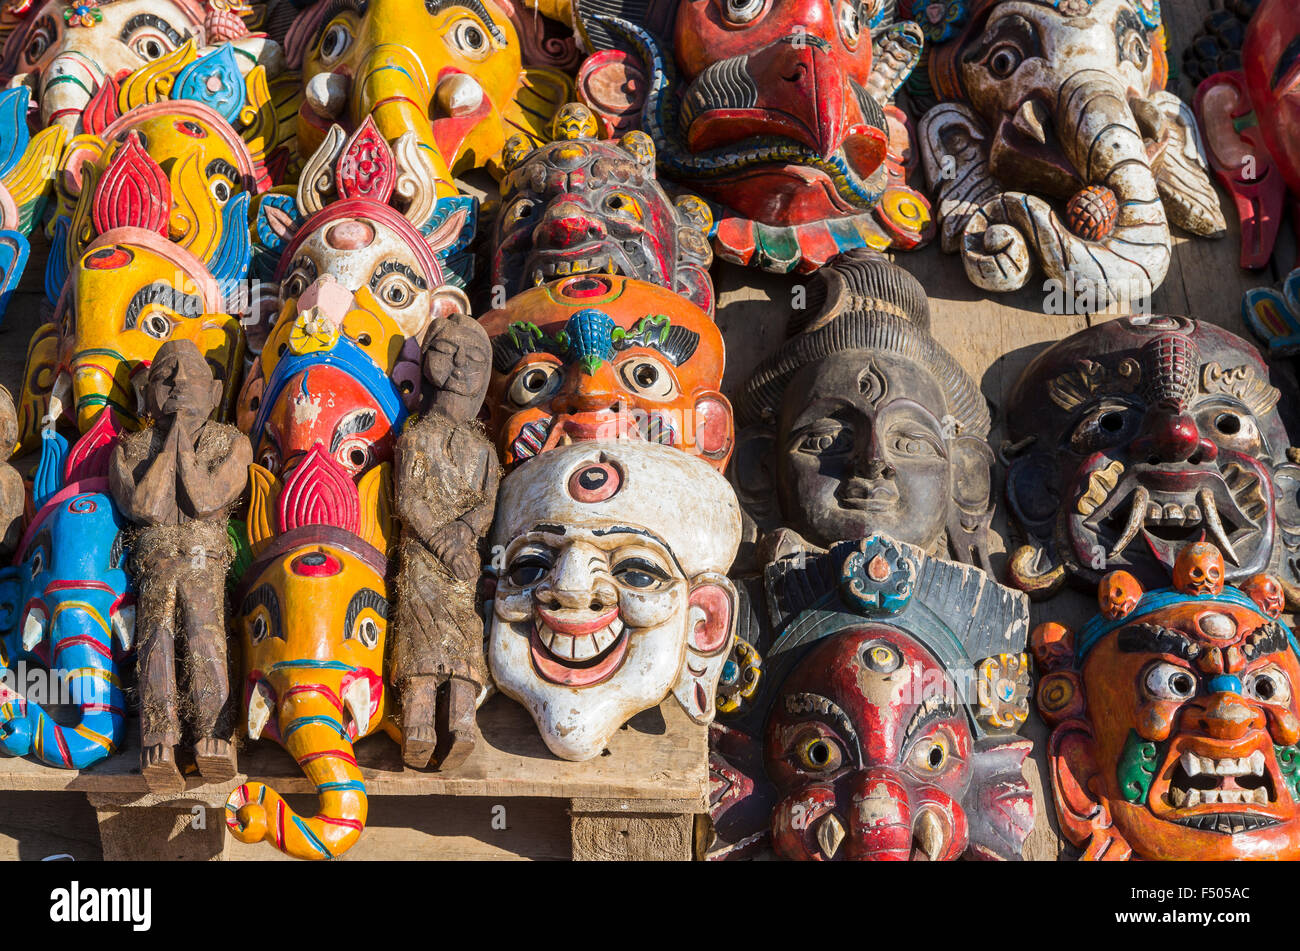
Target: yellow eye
x,y
819,753
931,754
623,204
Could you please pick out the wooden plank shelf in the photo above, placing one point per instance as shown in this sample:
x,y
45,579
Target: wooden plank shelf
x,y
653,776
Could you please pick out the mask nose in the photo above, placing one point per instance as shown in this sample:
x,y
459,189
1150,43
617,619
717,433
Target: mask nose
x,y
589,392
870,462
567,224
880,820
1171,435
1227,716
576,583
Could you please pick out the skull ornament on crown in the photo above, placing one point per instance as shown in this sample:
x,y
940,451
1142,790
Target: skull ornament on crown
x,y
1136,436
883,724
780,112
1055,142
610,599
600,356
582,205
1174,722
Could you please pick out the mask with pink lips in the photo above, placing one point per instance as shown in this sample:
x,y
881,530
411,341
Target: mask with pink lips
x,y
614,592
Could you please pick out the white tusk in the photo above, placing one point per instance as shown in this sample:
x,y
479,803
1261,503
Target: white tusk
x,y
327,94
1029,120
1210,511
830,833
929,833
357,701
1136,516
259,709
123,621
33,629
459,94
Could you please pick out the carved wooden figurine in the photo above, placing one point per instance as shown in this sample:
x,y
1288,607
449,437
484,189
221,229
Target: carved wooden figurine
x,y
1250,116
1175,719
446,485
1134,436
862,422
177,480
600,356
1060,101
883,726
781,113
611,598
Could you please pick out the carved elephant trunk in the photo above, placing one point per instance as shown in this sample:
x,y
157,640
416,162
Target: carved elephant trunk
x,y
67,85
311,724
1114,245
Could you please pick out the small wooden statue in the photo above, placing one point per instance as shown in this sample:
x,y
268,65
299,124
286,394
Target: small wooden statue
x,y
446,487
177,481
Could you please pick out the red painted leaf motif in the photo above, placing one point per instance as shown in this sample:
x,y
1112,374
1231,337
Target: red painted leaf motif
x,y
102,108
89,458
319,492
366,168
134,192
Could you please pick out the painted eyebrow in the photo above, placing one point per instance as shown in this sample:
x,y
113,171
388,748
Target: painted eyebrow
x,y
336,7
225,168
355,422
434,7
1284,64
264,596
149,19
1154,639
1269,639
160,292
629,530
814,704
365,598
549,528
397,267
941,709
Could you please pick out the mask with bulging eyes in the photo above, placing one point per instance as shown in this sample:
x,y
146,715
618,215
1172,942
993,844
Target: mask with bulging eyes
x,y
1140,435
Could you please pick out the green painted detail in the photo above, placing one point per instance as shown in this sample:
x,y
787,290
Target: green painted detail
x,y
1288,764
238,533
525,329
644,330
1136,768
1248,121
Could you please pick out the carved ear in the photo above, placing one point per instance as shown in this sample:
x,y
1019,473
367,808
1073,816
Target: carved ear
x,y
971,512
375,523
712,621
316,184
541,94
753,475
1180,170
954,144
1085,820
1002,814
263,492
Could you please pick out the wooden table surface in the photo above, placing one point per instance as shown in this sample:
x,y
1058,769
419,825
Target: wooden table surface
x,y
992,337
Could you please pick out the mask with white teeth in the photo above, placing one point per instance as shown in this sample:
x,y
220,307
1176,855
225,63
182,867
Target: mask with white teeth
x,y
1131,438
583,205
1176,721
614,593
